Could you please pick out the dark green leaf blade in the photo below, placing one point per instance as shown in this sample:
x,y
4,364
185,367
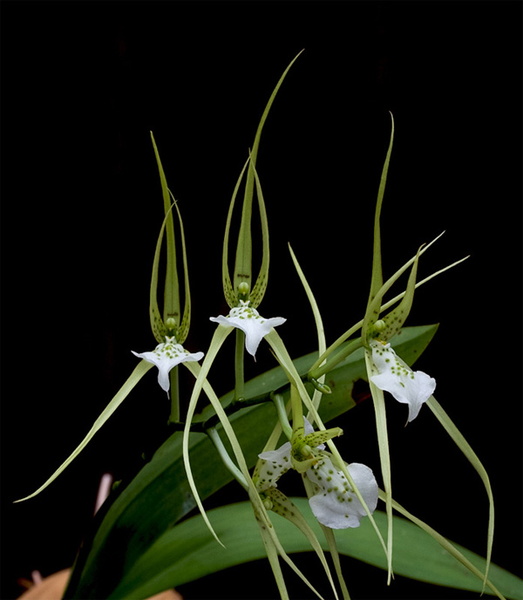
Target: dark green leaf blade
x,y
188,552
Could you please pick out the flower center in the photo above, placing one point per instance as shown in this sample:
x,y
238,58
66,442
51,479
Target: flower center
x,y
244,311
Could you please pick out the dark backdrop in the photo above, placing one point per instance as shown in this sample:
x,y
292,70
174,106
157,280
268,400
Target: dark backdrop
x,y
83,83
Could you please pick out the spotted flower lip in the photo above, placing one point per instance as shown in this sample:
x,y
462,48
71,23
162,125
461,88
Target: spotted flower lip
x,y
166,356
334,503
396,377
249,320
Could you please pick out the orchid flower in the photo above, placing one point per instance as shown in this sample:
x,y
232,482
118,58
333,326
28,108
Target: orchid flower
x,y
396,377
334,503
166,356
249,320
170,330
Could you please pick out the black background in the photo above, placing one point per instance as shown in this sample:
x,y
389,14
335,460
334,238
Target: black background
x,y
82,86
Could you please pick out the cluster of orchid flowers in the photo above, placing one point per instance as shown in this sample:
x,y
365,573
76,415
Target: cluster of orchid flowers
x,y
340,494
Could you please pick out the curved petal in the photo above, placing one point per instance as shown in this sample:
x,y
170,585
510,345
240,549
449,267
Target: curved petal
x,y
273,464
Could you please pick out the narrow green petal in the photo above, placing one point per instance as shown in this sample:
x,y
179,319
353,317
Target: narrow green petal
x,y
451,549
157,323
171,307
140,370
383,446
243,266
395,318
318,321
274,561
183,329
260,286
200,373
230,293
377,277
284,507
471,456
374,307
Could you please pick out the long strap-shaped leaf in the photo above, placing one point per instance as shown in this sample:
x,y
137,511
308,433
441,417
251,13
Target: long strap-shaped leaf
x,y
187,553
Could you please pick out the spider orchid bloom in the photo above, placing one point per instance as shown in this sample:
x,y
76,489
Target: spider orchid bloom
x,y
335,503
166,356
396,377
248,319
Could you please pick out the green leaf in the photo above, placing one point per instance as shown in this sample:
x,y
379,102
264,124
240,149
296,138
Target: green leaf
x,y
160,495
188,552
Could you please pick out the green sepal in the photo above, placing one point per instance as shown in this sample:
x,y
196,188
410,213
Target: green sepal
x,y
161,326
375,307
171,306
139,371
231,295
283,506
377,276
183,329
243,261
395,319
258,290
472,457
320,437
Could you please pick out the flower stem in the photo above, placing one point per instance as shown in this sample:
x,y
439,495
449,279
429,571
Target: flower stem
x,y
174,417
224,455
330,363
239,387
282,415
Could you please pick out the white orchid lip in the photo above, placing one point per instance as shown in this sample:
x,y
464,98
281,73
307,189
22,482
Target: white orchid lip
x,y
166,356
409,387
249,320
335,503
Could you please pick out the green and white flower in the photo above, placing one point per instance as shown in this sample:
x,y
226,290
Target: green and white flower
x,y
334,502
409,387
248,319
166,356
